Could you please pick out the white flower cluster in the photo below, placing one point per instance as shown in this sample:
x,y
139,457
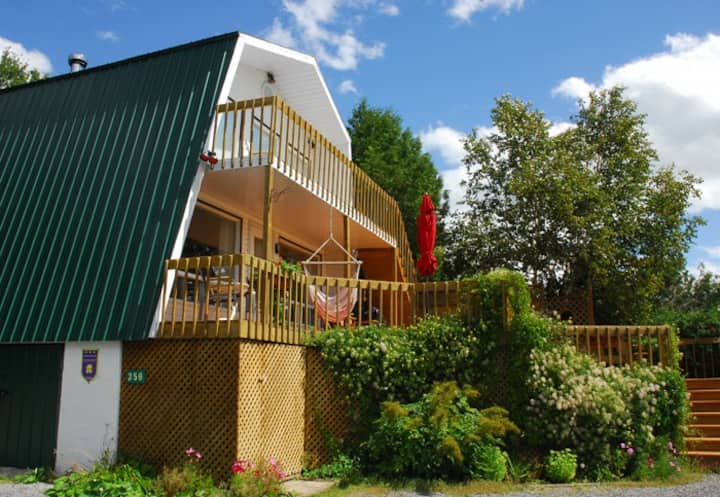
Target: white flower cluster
x,y
582,404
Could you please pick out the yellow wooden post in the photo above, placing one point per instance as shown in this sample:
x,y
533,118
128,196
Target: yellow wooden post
x,y
346,227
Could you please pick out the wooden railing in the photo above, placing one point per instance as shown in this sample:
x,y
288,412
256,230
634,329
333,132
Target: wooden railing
x,y
619,345
248,297
700,357
267,131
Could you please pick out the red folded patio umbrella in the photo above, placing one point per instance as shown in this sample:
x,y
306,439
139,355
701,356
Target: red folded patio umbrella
x,y
426,231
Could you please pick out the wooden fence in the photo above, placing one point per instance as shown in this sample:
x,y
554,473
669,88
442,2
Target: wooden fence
x,y
619,345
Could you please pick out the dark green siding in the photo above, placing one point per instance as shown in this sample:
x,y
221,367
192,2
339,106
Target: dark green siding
x,y
29,403
95,172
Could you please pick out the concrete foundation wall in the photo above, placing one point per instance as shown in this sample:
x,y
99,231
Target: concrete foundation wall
x,y
89,411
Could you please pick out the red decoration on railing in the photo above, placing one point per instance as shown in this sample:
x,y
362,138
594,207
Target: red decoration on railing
x,y
209,157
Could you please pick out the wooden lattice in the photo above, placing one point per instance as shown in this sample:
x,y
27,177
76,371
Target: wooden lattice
x,y
189,400
227,398
271,403
324,407
578,306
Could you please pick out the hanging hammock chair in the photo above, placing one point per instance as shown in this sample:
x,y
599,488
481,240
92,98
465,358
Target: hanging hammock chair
x,y
332,304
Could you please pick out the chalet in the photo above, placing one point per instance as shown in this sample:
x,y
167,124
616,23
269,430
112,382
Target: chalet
x,y
153,213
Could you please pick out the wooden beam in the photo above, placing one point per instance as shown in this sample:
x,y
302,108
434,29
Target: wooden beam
x,y
267,213
346,229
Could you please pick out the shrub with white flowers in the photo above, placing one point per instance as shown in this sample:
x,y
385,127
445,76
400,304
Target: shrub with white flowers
x,y
579,403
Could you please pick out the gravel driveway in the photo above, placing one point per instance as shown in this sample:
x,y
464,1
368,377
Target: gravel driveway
x,y
707,487
16,490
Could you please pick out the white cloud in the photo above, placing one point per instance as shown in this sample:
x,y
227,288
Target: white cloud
x,y
347,86
681,41
310,22
448,143
107,35
561,127
713,251
35,59
115,5
573,87
678,91
280,35
389,9
463,10
708,267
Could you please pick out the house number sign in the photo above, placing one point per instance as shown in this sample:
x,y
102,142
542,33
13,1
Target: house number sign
x,y
136,376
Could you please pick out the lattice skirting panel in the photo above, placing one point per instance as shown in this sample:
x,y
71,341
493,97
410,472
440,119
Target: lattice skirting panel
x,y
189,399
271,403
325,410
227,398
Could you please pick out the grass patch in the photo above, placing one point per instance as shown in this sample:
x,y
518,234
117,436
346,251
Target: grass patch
x,y
377,489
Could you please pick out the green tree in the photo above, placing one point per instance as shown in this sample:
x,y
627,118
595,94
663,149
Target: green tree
x,y
13,71
393,158
692,304
583,208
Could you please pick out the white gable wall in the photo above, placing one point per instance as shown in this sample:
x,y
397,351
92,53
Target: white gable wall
x,y
297,80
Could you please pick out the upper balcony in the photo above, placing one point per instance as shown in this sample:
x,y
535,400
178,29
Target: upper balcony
x,y
268,132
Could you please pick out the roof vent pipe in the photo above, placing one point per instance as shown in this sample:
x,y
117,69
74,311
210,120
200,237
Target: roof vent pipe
x,y
77,62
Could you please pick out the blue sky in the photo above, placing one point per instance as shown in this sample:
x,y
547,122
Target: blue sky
x,y
440,63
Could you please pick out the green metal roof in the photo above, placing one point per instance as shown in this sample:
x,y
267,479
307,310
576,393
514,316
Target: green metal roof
x,y
95,172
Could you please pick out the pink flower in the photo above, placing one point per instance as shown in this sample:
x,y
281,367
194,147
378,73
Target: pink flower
x,y
190,451
630,451
672,464
238,467
272,461
198,455
670,445
623,446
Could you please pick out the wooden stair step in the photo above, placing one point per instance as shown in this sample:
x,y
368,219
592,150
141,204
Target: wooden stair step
x,y
703,383
707,394
703,444
697,406
707,457
706,418
706,430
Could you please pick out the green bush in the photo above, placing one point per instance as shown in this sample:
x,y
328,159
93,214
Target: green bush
x,y
434,437
188,480
36,475
342,467
579,403
488,462
104,480
517,359
561,466
377,363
